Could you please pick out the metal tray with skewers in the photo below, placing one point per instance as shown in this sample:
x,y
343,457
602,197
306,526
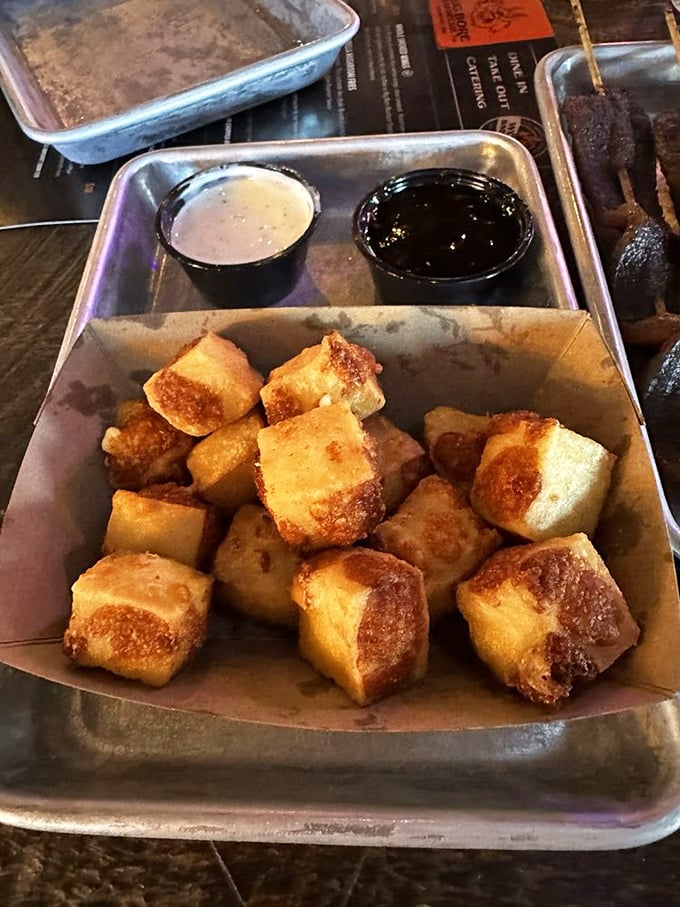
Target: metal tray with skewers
x,y
618,175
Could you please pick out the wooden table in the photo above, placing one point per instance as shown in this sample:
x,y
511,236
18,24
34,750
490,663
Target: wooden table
x,y
40,270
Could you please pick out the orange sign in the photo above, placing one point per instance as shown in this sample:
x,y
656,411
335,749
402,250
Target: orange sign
x,y
470,23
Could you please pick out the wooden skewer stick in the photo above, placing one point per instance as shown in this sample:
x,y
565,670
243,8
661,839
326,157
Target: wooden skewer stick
x,y
598,85
667,206
584,35
673,31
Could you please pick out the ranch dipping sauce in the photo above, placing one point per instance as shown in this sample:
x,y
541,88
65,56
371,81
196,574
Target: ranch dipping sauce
x,y
248,214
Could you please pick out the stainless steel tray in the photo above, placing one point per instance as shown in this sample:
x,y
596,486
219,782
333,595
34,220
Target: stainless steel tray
x,y
99,78
78,762
648,70
128,273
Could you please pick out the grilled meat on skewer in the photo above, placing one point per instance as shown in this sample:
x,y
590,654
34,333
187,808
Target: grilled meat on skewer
x,y
610,136
643,168
641,273
660,398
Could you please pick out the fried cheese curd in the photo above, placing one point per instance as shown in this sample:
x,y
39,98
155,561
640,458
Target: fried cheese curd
x,y
223,464
169,520
139,616
254,568
209,383
363,621
402,461
540,480
143,448
545,615
455,441
334,370
436,530
318,477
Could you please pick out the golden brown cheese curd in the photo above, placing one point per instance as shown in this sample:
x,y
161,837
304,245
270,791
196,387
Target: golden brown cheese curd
x,y
254,569
455,440
363,621
223,464
545,615
138,615
332,371
318,477
210,383
144,449
539,479
436,530
401,460
168,520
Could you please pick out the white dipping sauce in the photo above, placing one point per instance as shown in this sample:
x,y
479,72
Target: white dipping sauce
x,y
250,214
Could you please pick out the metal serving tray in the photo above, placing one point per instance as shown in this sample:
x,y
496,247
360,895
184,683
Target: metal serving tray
x,y
648,70
80,762
128,272
99,79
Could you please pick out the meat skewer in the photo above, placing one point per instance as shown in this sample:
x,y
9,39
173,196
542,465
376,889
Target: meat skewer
x,y
620,163
612,140
672,26
660,396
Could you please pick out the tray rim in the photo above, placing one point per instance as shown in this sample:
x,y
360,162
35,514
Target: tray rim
x,y
99,127
588,261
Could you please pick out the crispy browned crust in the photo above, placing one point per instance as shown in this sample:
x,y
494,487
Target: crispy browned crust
x,y
392,637
456,455
590,609
535,426
354,364
567,663
508,484
281,404
394,625
193,403
145,449
341,519
137,638
172,493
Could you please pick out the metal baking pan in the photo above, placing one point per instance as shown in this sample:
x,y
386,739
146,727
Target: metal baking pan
x,y
649,72
99,79
128,272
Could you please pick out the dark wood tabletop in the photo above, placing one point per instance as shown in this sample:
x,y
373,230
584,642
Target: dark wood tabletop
x,y
40,268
